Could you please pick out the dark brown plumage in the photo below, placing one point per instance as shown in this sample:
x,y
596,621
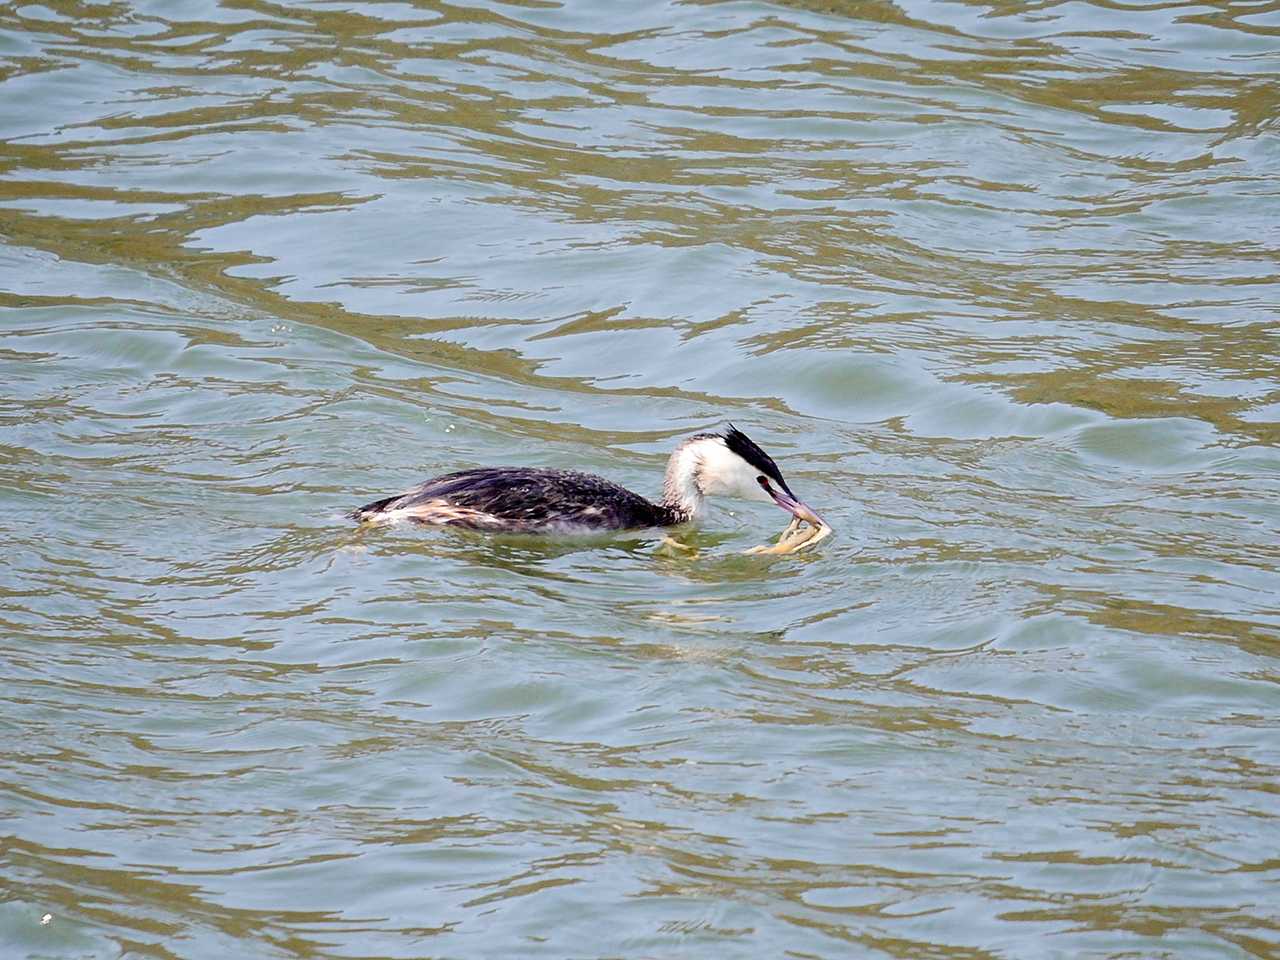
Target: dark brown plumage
x,y
522,500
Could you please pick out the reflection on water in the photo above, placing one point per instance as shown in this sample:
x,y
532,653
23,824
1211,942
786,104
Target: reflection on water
x,y
995,284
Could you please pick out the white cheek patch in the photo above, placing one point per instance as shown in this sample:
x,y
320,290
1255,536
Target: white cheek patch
x,y
726,474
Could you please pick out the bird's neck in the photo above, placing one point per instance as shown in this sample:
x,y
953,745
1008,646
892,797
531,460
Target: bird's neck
x,y
681,494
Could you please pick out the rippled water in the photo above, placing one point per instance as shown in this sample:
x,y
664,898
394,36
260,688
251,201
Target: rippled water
x,y
997,286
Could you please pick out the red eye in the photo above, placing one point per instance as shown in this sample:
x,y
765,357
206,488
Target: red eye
x,y
764,482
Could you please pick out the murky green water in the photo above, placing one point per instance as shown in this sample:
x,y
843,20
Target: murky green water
x,y
996,284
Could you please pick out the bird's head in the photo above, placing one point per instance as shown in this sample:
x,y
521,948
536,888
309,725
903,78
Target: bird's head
x,y
730,465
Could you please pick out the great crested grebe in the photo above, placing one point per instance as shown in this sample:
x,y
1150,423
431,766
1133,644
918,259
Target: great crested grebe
x,y
533,500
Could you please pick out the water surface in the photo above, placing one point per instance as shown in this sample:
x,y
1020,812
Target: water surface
x,y
996,286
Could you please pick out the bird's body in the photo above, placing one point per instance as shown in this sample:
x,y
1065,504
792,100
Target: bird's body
x,y
543,501
522,500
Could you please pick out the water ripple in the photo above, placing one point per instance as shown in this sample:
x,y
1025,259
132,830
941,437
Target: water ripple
x,y
995,287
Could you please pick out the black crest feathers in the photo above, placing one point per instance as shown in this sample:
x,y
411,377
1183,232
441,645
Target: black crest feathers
x,y
750,451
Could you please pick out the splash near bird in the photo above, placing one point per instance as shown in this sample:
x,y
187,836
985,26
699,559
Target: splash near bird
x,y
534,500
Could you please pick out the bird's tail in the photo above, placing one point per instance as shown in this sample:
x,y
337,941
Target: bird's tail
x,y
371,511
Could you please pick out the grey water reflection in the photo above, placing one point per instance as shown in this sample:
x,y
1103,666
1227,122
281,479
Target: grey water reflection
x,y
995,283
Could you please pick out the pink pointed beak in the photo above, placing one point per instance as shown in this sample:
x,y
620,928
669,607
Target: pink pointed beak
x,y
796,508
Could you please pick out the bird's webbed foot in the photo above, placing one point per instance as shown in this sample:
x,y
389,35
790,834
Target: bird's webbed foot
x,y
796,537
670,544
